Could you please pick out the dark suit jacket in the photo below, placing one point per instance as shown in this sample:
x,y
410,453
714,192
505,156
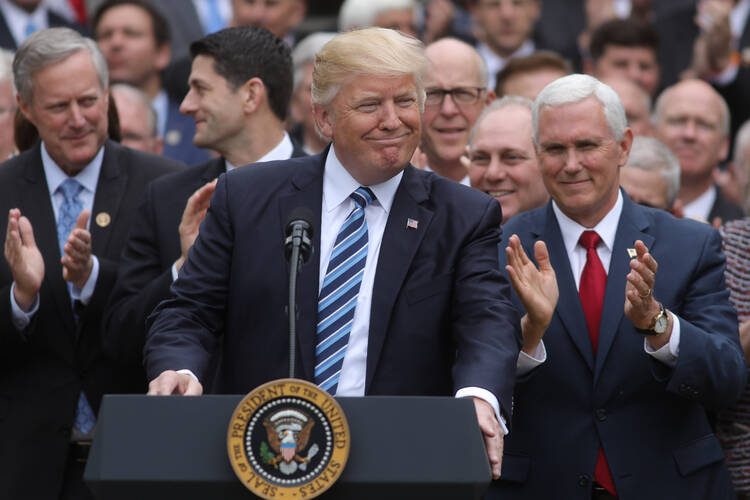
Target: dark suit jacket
x,y
650,419
145,271
54,20
178,137
724,209
440,317
43,371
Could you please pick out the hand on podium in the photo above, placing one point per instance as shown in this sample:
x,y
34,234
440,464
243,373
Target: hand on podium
x,y
172,382
493,434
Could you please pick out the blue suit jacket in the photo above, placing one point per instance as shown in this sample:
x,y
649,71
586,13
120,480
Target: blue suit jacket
x,y
441,315
650,419
178,137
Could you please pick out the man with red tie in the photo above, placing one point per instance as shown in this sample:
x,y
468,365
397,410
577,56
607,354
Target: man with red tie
x,y
643,340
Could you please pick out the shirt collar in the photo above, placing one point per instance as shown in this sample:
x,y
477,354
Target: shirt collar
x,y
17,19
605,228
161,106
282,151
338,184
701,206
87,177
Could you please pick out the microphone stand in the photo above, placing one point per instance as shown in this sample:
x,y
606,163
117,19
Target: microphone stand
x,y
295,262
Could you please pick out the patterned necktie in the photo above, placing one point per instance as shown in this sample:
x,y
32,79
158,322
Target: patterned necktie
x,y
591,291
69,210
66,221
338,296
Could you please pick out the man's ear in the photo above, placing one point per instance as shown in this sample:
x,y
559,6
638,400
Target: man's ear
x,y
25,108
163,54
323,120
253,94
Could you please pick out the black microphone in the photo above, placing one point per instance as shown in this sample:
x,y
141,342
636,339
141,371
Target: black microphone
x,y
299,233
297,248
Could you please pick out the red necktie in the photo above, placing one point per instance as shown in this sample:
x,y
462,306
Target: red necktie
x,y
591,291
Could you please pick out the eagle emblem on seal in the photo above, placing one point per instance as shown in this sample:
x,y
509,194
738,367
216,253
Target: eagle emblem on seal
x,y
288,432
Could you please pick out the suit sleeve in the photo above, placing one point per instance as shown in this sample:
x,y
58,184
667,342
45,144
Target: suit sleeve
x,y
486,325
141,284
711,365
182,330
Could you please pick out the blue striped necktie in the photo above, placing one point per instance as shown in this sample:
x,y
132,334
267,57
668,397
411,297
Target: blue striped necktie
x,y
66,221
338,296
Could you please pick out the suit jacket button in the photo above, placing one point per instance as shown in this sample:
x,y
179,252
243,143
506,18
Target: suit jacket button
x,y
601,414
584,481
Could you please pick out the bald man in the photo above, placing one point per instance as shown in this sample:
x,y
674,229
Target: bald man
x,y
692,119
456,85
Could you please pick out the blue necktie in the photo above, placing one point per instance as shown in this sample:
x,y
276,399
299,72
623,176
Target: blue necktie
x,y
66,221
338,297
30,28
214,21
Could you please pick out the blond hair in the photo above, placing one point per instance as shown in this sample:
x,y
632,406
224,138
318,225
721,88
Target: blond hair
x,y
370,51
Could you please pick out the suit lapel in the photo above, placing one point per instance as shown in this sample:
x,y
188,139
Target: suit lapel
x,y
397,250
631,227
110,189
569,308
37,207
307,191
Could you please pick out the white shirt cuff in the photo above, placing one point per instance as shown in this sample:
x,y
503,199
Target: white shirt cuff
x,y
526,363
84,294
669,352
185,370
727,76
478,392
174,273
21,318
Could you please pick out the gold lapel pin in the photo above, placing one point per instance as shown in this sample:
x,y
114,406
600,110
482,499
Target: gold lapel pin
x,y
103,219
632,253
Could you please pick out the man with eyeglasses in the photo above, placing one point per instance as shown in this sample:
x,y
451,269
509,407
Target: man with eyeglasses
x,y
456,86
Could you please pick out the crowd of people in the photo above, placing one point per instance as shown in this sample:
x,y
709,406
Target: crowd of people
x,y
537,205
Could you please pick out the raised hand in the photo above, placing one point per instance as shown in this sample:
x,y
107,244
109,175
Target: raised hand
x,y
76,260
192,216
24,258
536,287
640,305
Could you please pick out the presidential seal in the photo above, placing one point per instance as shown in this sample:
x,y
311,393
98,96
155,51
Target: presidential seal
x,y
288,439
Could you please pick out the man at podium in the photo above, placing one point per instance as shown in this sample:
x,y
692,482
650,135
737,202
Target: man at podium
x,y
402,293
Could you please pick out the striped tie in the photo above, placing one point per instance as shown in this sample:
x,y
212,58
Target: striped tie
x,y
338,297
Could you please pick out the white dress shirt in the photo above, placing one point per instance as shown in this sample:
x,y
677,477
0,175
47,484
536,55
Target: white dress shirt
x,y
88,178
495,62
338,184
607,229
17,19
700,208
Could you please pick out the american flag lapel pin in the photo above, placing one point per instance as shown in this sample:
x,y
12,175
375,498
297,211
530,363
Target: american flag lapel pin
x,y
412,223
632,253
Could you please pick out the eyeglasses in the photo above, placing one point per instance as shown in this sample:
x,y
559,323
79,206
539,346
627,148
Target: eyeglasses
x,y
462,96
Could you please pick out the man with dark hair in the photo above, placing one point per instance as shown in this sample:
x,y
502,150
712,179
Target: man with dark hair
x,y
527,76
240,87
625,47
134,37
70,200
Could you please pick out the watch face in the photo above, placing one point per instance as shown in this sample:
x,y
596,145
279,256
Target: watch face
x,y
661,324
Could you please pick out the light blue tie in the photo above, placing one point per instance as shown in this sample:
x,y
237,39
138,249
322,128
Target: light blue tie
x,y
30,27
66,221
214,22
69,210
338,297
